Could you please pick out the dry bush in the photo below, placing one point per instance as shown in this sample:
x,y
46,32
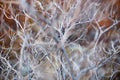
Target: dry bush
x,y
59,40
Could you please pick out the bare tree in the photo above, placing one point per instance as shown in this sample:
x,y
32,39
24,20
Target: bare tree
x,y
59,39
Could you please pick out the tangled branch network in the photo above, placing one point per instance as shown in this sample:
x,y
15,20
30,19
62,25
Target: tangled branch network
x,y
59,39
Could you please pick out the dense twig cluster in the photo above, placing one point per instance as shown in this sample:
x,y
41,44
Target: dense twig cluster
x,y
59,39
